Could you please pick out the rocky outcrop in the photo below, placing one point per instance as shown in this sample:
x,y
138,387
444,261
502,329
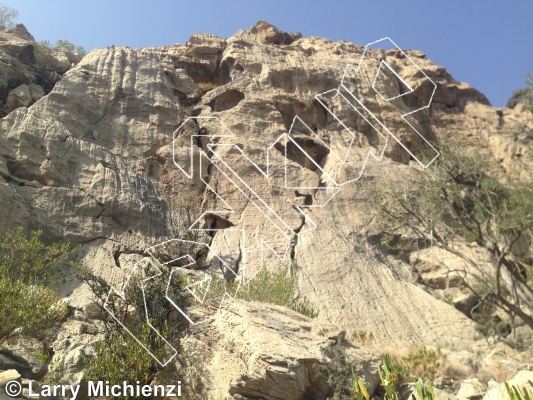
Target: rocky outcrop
x,y
256,350
27,69
263,32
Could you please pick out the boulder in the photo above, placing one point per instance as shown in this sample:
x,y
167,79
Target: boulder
x,y
74,340
36,92
520,381
9,375
18,97
62,62
22,353
470,389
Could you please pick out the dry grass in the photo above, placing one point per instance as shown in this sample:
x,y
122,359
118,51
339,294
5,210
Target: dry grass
x,y
207,86
395,352
456,371
499,374
363,338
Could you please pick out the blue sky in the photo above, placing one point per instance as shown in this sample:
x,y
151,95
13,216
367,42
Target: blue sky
x,y
488,44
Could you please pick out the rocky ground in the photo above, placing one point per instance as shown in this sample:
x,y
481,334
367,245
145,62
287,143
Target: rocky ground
x,y
91,157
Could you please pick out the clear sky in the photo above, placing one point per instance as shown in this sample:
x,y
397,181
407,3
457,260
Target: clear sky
x,y
487,43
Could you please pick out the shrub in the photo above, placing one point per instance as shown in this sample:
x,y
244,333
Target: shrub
x,y
29,280
423,362
119,357
66,45
523,96
337,375
461,196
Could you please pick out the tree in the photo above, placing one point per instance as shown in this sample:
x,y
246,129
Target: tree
x,y
523,96
458,198
28,283
8,16
65,45
48,63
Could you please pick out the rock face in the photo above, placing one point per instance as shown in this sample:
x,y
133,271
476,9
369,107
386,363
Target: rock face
x,y
27,69
256,350
95,162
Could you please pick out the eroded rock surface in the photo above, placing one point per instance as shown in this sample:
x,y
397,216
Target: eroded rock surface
x,y
256,350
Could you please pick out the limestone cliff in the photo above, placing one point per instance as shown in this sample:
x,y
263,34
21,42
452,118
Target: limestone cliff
x,y
91,162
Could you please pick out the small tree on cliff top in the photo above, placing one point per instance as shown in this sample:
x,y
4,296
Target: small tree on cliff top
x,y
8,16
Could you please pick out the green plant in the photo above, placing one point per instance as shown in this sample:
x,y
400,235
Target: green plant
x,y
448,298
515,393
399,369
305,307
424,392
337,375
8,16
388,373
274,287
43,356
119,358
523,96
461,198
29,280
48,64
54,374
491,327
359,391
66,45
423,362
389,379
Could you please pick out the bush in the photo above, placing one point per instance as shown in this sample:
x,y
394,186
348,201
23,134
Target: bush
x,y
337,375
47,63
119,357
29,280
461,196
523,96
